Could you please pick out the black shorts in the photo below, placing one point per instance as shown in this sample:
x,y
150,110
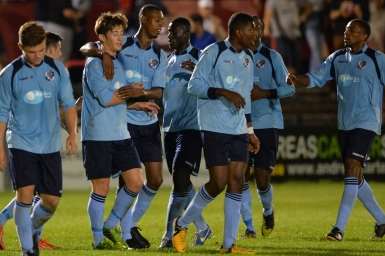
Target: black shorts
x,y
147,141
103,159
355,144
221,149
266,158
42,170
183,150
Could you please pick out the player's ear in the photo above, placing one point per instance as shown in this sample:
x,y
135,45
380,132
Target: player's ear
x,y
102,38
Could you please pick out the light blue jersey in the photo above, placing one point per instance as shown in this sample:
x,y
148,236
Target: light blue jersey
x,y
269,74
99,121
147,66
30,103
180,108
229,70
359,87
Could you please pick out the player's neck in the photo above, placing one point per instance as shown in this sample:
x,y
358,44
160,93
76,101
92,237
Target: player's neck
x,y
144,40
358,47
235,44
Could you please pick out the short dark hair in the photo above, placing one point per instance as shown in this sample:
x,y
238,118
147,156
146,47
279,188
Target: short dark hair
x,y
365,26
31,34
182,23
237,21
107,21
147,8
258,19
52,38
197,18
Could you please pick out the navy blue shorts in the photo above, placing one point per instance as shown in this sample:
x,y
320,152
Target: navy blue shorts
x,y
355,144
147,141
266,158
183,150
103,159
221,149
42,170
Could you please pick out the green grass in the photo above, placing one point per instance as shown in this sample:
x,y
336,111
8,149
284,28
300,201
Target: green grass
x,y
304,212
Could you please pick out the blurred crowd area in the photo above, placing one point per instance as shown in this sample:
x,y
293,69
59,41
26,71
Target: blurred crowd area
x,y
303,31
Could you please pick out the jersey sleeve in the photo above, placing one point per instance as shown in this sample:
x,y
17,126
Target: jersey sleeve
x,y
283,89
66,97
199,83
5,96
381,63
97,83
319,77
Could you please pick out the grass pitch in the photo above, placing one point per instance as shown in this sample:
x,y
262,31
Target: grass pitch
x,y
304,212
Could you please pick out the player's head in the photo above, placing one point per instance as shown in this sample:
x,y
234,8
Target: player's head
x,y
179,33
151,20
32,42
259,27
53,45
110,28
357,32
241,28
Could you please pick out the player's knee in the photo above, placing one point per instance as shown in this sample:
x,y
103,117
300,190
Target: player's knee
x,y
101,187
215,187
155,182
181,180
353,168
50,202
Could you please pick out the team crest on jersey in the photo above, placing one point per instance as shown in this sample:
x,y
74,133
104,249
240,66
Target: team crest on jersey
x,y
260,63
49,75
153,63
246,62
361,64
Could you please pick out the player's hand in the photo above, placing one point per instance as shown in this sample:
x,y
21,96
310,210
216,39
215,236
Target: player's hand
x,y
235,98
254,144
291,79
131,91
78,103
3,160
188,64
150,107
71,144
257,93
108,66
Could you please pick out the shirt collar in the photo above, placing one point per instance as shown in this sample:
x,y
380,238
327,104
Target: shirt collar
x,y
187,50
363,49
29,65
228,44
136,40
258,48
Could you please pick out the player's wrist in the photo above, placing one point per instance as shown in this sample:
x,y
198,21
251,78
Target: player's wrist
x,y
250,130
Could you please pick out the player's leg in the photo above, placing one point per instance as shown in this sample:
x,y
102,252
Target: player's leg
x,y
355,145
233,197
124,157
147,140
246,207
216,156
24,170
97,161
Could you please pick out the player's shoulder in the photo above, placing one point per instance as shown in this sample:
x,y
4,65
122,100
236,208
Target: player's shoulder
x,y
13,67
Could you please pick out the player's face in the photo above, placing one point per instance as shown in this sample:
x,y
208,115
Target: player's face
x,y
353,35
247,36
34,55
153,23
177,37
54,51
113,40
